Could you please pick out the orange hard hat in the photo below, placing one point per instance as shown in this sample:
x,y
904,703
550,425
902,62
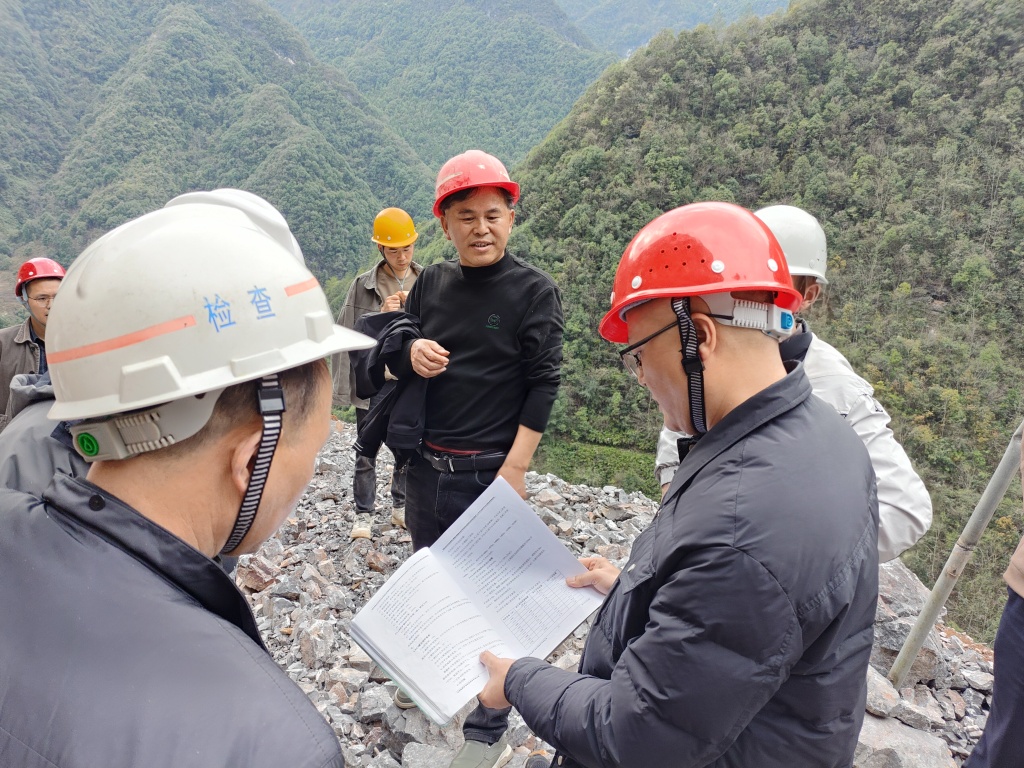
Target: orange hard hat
x,y
36,269
698,249
472,168
393,228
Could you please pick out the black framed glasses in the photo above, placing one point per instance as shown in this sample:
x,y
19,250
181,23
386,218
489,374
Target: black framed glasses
x,y
630,356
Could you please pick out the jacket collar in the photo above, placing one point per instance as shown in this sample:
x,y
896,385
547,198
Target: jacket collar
x,y
159,550
370,282
768,404
24,334
796,346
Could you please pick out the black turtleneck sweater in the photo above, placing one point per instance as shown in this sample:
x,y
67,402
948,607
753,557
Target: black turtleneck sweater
x,y
502,325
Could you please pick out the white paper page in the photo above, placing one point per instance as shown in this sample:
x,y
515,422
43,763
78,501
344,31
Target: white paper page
x,y
514,570
427,634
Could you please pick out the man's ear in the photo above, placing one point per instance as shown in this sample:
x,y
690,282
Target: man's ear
x,y
707,335
811,294
244,442
444,225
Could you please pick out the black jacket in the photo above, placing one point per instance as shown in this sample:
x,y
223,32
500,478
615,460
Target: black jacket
x,y
739,632
397,408
121,646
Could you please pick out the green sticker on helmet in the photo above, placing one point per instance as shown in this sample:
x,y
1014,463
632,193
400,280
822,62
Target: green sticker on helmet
x,y
87,444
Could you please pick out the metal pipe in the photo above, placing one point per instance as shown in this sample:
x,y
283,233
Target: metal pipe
x,y
958,558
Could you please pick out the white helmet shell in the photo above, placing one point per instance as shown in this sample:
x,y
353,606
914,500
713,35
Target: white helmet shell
x,y
263,214
801,237
188,299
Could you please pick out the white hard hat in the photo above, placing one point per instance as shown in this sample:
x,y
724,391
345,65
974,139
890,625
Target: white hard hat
x,y
188,299
263,214
801,237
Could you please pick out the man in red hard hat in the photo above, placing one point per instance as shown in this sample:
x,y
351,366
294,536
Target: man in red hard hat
x,y
23,347
739,632
492,352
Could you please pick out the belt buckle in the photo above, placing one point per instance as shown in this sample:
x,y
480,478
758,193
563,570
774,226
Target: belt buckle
x,y
448,457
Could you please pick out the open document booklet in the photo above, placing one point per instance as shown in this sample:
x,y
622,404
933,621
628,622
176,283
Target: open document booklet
x,y
495,581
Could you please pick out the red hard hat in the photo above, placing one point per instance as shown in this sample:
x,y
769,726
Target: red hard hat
x,y
472,168
698,249
34,269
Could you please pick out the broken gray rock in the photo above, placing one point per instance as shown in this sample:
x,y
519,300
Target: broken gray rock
x,y
309,580
888,743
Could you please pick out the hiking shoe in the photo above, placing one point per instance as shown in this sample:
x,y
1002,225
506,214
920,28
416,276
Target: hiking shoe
x,y
476,754
361,528
398,516
402,700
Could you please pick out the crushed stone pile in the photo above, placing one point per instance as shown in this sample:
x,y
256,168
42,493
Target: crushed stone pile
x,y
308,581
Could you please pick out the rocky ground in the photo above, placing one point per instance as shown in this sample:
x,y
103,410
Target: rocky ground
x,y
307,583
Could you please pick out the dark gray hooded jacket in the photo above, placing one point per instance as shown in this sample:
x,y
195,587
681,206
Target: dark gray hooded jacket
x,y
32,447
121,646
739,632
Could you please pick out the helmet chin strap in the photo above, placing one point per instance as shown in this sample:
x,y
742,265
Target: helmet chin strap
x,y
271,404
692,365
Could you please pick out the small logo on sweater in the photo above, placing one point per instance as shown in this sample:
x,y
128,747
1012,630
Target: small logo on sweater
x,y
493,322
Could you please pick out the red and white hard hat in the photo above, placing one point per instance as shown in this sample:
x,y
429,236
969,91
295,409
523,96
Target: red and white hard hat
x,y
698,249
473,168
35,269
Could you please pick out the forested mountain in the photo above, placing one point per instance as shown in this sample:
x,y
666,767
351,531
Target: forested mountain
x,y
455,74
112,108
900,126
622,26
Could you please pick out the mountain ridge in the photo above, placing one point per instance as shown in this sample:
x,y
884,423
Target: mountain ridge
x,y
202,97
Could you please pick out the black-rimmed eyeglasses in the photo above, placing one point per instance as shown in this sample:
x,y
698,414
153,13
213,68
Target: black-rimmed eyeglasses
x,y
630,356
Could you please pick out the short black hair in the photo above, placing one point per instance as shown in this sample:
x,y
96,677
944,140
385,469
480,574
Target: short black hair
x,y
239,404
463,194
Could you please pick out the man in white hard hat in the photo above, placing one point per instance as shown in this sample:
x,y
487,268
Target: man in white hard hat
x,y
187,349
32,446
904,506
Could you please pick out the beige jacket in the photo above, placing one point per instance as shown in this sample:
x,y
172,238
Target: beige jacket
x,y
364,296
18,354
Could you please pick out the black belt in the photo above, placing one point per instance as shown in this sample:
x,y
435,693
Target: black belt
x,y
454,462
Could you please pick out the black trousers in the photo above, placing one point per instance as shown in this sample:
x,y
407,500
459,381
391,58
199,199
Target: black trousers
x,y
364,479
1002,743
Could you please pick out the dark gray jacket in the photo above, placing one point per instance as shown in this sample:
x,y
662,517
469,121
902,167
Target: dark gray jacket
x,y
19,353
124,647
32,447
739,632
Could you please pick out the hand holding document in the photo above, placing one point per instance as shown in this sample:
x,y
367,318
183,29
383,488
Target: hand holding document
x,y
495,581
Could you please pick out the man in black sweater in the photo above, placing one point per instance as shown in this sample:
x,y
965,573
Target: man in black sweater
x,y
492,350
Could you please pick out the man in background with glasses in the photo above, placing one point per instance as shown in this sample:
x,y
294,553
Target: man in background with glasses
x,y
23,347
